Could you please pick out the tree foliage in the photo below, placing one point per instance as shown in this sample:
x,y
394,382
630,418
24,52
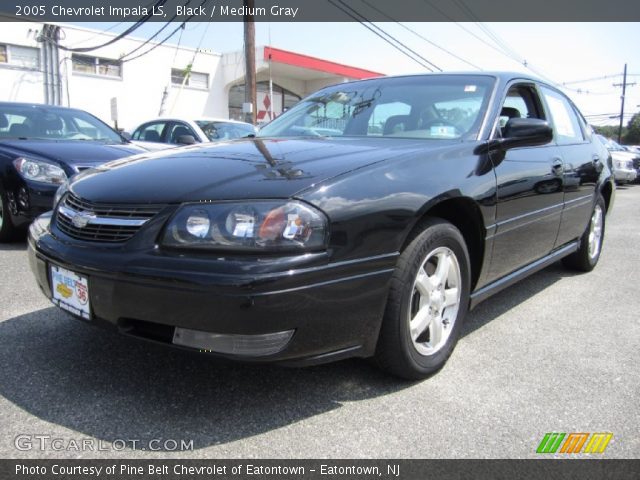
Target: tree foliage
x,y
632,134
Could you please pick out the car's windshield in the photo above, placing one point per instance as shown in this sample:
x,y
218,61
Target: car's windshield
x,y
225,130
610,144
425,107
35,122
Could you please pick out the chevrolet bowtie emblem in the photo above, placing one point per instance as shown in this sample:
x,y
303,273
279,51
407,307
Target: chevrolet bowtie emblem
x,y
82,219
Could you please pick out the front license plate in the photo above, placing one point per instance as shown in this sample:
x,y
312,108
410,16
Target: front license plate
x,y
70,291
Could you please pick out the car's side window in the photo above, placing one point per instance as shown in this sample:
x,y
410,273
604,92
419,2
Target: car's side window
x,y
521,102
150,132
178,129
566,125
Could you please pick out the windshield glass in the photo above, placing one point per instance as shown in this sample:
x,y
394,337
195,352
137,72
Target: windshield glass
x,y
225,130
610,144
426,107
35,122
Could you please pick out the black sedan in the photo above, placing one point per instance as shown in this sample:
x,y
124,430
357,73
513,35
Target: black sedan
x,y
365,221
41,146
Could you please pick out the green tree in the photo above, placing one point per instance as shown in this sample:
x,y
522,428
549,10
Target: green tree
x,y
608,131
632,135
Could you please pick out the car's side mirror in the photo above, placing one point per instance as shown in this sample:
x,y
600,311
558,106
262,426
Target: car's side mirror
x,y
186,140
126,135
525,132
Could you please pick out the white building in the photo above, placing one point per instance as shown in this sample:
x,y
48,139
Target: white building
x,y
169,80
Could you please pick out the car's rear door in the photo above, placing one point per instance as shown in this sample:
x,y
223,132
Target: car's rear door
x,y
582,164
529,191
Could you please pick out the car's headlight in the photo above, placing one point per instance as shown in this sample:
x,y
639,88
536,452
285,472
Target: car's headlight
x,y
39,171
248,226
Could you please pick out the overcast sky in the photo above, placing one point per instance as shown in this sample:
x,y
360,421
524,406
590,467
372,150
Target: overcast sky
x,y
559,52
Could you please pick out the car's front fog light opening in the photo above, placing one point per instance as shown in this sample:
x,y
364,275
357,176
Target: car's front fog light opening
x,y
246,345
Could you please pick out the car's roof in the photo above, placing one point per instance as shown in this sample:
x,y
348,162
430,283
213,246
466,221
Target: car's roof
x,y
194,119
37,105
502,76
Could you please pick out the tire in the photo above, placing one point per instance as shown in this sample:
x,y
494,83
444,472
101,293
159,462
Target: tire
x,y
420,293
7,230
586,257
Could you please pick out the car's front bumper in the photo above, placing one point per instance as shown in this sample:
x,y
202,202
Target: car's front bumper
x,y
624,175
334,309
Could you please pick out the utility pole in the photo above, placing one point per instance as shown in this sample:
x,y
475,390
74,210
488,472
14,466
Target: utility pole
x,y
250,60
624,90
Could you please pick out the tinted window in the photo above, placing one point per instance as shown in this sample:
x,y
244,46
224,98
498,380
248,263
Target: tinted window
x,y
437,107
150,132
565,122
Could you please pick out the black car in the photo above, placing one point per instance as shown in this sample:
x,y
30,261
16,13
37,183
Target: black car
x,y
41,146
365,221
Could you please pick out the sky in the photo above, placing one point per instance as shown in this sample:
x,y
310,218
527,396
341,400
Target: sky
x,y
559,52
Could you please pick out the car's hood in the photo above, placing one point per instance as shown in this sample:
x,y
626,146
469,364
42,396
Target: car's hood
x,y
620,155
74,152
243,169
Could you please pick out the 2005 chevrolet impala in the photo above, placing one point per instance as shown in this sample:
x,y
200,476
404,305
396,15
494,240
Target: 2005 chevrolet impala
x,y
365,221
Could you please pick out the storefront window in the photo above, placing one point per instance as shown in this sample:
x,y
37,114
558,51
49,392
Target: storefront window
x,y
282,100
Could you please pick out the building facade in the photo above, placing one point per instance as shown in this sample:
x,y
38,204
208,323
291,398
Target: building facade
x,y
37,65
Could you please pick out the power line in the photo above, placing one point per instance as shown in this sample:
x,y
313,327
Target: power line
x,y
164,40
402,48
123,57
128,31
419,35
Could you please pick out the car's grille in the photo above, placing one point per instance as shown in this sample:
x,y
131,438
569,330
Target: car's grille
x,y
95,222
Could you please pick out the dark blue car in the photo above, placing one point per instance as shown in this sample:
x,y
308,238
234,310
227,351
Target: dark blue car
x,y
41,147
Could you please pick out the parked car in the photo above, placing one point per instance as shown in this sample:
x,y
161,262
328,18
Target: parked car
x,y
300,247
164,133
41,146
626,164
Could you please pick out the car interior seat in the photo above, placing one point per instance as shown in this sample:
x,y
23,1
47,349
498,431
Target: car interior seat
x,y
178,132
19,130
506,114
396,123
151,136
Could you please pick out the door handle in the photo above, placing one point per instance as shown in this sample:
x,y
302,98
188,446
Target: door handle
x,y
557,166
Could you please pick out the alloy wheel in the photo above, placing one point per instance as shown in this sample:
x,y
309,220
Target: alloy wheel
x,y
435,301
595,232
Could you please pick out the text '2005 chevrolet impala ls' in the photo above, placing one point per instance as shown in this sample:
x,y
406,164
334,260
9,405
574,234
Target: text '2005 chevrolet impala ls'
x,y
363,222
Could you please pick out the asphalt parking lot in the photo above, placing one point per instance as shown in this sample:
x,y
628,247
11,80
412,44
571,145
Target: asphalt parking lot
x,y
558,352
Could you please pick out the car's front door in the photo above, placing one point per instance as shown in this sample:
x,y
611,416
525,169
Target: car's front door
x,y
529,191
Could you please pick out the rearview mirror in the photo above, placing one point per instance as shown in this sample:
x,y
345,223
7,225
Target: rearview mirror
x,y
126,135
186,140
525,132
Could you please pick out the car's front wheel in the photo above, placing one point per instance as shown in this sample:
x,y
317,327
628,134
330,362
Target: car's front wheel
x,y
7,229
428,300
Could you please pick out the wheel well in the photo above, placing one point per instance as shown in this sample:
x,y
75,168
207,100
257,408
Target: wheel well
x,y
464,214
607,190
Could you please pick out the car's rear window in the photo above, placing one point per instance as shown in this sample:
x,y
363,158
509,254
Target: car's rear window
x,y
427,107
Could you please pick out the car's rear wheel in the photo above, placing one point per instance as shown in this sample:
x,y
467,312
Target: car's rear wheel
x,y
586,257
7,229
428,300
